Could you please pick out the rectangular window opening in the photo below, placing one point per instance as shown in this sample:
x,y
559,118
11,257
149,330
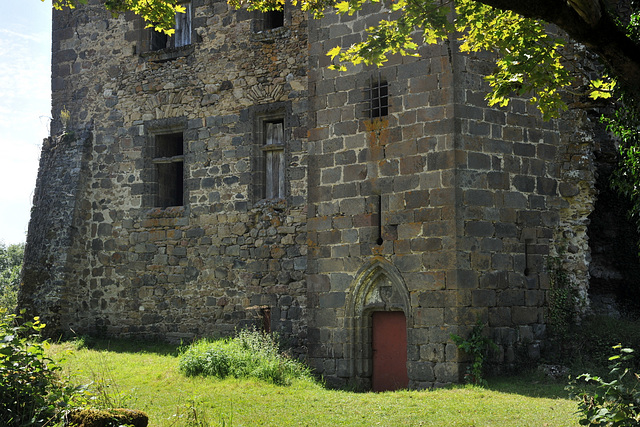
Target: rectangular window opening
x,y
377,95
274,159
182,35
169,164
273,19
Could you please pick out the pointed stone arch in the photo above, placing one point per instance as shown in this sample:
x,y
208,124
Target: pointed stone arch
x,y
378,286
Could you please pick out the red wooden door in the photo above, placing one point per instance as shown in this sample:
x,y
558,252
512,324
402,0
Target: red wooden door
x,y
389,345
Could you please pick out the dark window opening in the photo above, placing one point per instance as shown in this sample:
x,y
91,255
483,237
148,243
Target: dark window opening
x,y
267,21
159,40
273,19
274,161
377,95
169,164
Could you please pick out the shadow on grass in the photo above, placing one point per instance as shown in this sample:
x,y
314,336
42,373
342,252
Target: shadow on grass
x,y
117,345
531,385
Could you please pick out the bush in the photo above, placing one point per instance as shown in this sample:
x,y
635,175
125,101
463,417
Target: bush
x,y
31,393
251,354
613,403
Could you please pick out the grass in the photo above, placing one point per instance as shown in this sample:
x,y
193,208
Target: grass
x,y
147,377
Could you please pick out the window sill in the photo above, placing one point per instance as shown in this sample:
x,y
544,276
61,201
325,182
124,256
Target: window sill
x,y
168,54
269,36
277,204
168,212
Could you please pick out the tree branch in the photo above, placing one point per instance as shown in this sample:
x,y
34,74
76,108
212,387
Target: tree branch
x,y
586,22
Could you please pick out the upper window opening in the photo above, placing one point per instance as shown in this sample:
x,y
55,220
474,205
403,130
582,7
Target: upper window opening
x,y
377,97
268,21
182,35
169,164
273,19
273,149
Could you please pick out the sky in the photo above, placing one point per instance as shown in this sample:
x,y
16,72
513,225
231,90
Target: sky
x,y
25,108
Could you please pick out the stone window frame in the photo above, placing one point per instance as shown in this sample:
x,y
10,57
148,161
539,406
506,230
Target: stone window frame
x,y
154,129
261,115
171,51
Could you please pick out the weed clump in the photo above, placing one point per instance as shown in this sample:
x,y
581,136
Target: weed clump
x,y
476,346
251,354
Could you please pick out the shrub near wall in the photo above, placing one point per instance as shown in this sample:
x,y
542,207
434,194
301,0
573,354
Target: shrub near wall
x,y
30,391
251,354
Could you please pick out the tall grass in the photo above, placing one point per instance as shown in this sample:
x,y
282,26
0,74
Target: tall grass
x,y
251,354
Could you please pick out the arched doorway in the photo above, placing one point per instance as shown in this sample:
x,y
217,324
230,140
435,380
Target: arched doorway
x,y
377,316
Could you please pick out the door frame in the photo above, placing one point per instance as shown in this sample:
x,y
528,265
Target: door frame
x,y
378,286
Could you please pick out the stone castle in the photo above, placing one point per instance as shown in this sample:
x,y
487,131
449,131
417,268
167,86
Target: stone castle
x,y
224,177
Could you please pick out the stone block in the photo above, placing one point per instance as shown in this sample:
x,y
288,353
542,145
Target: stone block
x,y
524,183
420,371
432,352
428,316
408,263
511,298
568,189
432,280
446,372
499,316
420,244
483,298
525,315
547,186
353,206
416,199
478,198
479,229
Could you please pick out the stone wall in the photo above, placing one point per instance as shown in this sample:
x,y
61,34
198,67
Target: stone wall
x,y
225,258
52,231
440,208
450,205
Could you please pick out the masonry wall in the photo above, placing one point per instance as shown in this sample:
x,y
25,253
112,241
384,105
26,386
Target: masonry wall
x,y
443,209
473,201
397,167
225,258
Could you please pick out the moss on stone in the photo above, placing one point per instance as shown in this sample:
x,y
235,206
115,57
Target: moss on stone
x,y
107,418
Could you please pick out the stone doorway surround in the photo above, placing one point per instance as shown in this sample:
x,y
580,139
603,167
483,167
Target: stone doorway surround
x,y
378,286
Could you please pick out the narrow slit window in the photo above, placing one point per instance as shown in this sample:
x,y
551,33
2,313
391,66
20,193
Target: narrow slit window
x,y
377,95
274,161
169,165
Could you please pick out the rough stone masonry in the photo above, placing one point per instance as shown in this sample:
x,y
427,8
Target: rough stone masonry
x,y
226,178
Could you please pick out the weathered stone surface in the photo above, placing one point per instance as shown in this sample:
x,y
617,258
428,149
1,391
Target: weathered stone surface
x,y
442,208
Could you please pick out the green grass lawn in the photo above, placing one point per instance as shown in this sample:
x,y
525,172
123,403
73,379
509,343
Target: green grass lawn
x,y
147,378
